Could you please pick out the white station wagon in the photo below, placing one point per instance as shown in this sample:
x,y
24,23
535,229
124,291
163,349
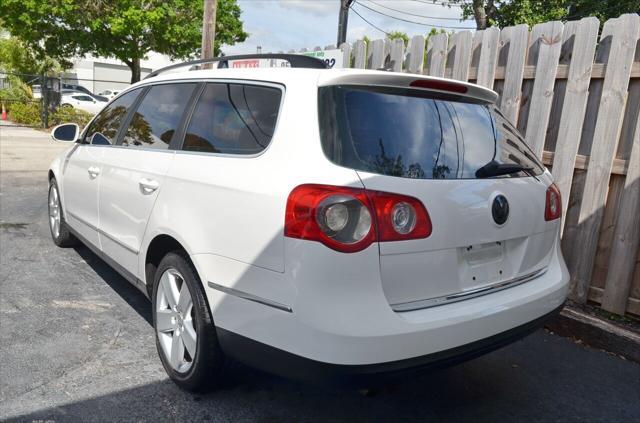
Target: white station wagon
x,y
326,224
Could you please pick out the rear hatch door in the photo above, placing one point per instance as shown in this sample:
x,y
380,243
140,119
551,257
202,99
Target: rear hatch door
x,y
470,168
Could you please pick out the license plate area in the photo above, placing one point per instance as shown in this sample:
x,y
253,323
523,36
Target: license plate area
x,y
483,264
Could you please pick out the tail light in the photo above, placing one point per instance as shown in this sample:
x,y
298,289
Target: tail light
x,y
351,219
553,206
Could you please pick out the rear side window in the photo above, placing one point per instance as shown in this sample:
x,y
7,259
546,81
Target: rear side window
x,y
233,119
104,128
412,134
158,116
82,97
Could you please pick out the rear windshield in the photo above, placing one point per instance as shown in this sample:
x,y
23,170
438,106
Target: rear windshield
x,y
413,134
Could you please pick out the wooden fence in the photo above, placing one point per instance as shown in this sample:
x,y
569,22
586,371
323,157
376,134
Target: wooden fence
x,y
574,91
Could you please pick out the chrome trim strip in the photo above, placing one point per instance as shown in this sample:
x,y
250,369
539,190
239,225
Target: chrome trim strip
x,y
101,232
465,295
250,297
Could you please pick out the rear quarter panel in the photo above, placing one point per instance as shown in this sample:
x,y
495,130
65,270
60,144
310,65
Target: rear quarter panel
x,y
228,211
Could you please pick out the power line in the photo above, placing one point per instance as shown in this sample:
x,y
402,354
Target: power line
x,y
361,17
440,3
414,14
410,21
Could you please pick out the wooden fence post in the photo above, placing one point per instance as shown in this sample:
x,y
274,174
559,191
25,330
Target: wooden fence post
x,y
459,55
624,32
437,54
415,55
375,54
585,37
626,240
488,57
346,55
360,54
517,40
546,43
396,54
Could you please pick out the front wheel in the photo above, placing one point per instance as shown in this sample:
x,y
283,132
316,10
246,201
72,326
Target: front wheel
x,y
185,333
60,233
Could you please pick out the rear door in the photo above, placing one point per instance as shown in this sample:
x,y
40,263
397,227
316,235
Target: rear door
x,y
450,153
134,171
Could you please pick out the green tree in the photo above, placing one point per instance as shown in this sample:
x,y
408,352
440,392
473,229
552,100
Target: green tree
x,y
125,29
17,57
395,35
602,9
513,12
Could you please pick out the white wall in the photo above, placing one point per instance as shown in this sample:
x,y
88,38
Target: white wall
x,y
100,73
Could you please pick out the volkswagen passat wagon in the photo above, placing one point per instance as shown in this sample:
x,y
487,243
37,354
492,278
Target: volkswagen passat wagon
x,y
324,224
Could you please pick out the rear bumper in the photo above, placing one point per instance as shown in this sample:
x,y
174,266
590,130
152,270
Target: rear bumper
x,y
277,361
338,315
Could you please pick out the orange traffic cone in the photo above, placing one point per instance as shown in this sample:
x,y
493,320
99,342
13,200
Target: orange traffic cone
x,y
4,113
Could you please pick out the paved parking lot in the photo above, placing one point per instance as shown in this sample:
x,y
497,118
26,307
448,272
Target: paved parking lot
x,y
76,344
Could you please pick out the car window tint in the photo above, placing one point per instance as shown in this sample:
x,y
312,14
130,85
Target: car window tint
x,y
104,128
83,98
418,135
233,119
158,116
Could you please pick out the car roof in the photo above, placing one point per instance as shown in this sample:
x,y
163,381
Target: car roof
x,y
325,77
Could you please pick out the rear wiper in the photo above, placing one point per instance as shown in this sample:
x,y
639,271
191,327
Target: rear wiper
x,y
494,168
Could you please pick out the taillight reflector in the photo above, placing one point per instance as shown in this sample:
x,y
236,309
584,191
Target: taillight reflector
x,y
553,203
350,219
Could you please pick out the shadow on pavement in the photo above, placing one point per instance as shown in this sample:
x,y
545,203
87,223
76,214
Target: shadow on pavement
x,y
541,378
120,285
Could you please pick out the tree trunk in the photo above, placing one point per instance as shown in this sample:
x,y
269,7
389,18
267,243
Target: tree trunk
x,y
480,14
134,65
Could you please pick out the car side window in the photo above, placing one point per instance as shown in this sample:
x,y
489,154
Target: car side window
x,y
158,116
104,128
83,97
233,119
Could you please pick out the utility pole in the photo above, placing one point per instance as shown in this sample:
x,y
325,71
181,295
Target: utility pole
x,y
208,29
342,21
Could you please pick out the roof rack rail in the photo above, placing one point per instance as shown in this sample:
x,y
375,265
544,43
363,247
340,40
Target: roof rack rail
x,y
295,60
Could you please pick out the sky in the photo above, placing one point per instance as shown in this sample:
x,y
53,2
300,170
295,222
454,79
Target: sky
x,y
282,25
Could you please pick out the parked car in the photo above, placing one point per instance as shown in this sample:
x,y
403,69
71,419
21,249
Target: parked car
x,y
323,224
110,93
97,98
81,101
80,88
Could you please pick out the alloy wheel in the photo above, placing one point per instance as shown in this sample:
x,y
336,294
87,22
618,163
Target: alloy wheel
x,y
175,321
54,211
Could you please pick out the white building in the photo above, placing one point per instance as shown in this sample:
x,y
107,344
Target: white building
x,y
99,73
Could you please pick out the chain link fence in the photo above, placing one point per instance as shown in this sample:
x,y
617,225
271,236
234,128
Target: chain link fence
x,y
42,101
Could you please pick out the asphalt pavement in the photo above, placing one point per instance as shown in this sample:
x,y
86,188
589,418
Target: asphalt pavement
x,y
76,344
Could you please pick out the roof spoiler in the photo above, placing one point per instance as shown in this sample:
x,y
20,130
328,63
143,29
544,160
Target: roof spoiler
x,y
295,60
410,81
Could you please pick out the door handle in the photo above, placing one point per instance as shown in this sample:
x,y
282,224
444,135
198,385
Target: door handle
x,y
93,172
147,186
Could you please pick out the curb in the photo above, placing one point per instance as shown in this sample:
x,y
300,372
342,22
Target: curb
x,y
597,333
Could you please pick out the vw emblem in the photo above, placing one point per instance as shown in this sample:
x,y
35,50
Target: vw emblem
x,y
500,209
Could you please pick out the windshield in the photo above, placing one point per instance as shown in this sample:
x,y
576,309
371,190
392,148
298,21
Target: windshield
x,y
420,135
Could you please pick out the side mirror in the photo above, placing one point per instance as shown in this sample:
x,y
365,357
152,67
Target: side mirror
x,y
67,132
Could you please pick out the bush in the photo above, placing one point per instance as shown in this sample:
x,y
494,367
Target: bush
x,y
15,89
69,115
25,113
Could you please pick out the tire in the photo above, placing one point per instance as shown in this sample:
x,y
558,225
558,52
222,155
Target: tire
x,y
58,227
206,368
